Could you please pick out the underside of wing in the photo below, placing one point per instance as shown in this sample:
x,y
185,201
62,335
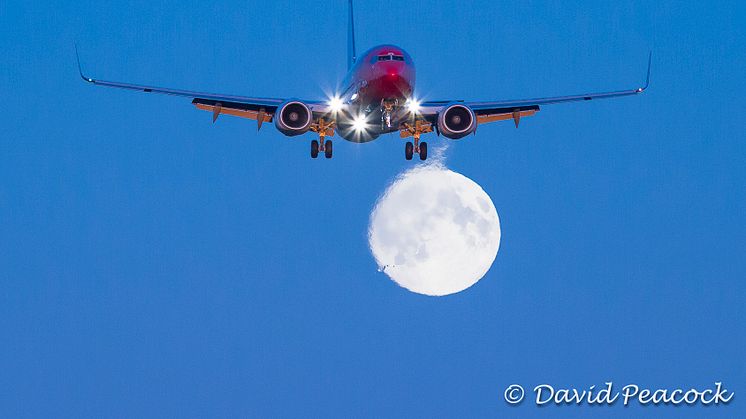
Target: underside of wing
x,y
257,112
485,116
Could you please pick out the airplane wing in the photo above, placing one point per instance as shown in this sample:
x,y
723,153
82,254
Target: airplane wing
x,y
515,109
257,108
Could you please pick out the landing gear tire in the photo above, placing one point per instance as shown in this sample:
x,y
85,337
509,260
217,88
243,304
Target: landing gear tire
x,y
314,149
423,151
408,150
328,149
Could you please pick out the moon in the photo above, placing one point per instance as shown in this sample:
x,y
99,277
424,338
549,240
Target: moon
x,y
434,231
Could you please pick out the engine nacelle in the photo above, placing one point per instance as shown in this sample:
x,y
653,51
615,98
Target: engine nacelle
x,y
457,121
293,118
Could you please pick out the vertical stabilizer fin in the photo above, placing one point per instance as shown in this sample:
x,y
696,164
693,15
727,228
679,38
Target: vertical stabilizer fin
x,y
351,50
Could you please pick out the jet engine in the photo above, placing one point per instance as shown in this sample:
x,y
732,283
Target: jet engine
x,y
457,121
293,118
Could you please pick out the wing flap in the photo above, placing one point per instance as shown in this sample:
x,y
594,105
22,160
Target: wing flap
x,y
241,113
505,114
241,110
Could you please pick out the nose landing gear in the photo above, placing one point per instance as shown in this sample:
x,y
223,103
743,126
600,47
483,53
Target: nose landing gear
x,y
387,110
420,127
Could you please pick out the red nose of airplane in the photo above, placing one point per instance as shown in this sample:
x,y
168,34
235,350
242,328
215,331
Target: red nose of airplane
x,y
393,70
392,79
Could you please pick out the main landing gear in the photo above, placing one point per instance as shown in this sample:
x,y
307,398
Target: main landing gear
x,y
420,127
325,147
409,150
324,129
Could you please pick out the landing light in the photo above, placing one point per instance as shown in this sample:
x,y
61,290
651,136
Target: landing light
x,y
413,105
359,124
335,104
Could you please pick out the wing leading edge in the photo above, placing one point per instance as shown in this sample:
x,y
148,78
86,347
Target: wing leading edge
x,y
257,108
515,109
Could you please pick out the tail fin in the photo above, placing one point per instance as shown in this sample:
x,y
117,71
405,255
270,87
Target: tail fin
x,y
351,50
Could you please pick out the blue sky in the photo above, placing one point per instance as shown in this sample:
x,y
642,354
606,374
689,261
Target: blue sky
x,y
152,264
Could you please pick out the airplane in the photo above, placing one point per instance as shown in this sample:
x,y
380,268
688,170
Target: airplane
x,y
377,98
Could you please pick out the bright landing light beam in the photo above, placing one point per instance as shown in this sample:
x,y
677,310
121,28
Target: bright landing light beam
x,y
359,124
335,104
413,105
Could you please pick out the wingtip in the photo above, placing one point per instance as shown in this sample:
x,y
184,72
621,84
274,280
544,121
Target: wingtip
x,y
80,68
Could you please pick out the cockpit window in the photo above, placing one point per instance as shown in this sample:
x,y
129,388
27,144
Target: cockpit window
x,y
390,57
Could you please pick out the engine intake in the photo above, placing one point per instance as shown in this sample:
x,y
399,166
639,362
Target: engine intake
x,y
457,121
293,118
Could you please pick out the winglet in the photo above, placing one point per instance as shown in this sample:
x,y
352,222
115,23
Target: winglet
x,y
80,69
351,47
647,80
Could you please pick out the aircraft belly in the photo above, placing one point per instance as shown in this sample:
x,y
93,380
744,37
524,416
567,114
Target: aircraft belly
x,y
355,137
